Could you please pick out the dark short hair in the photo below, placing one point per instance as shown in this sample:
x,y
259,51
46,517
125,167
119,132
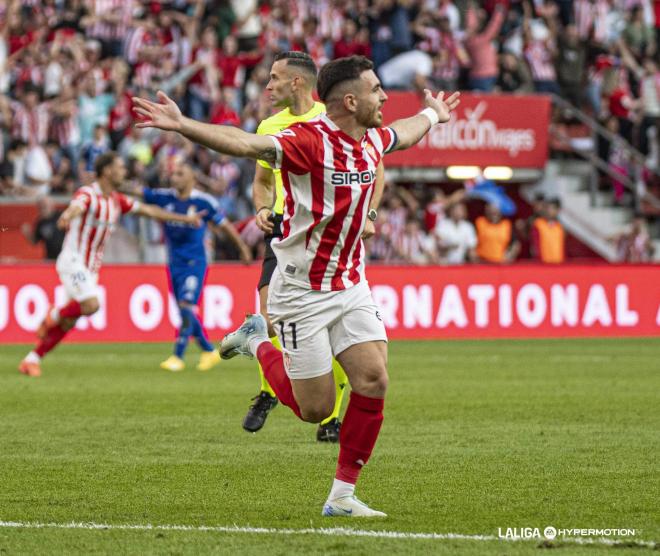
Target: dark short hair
x,y
341,70
555,202
300,60
103,160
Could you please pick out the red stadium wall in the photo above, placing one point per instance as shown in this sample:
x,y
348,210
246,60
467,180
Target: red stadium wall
x,y
415,302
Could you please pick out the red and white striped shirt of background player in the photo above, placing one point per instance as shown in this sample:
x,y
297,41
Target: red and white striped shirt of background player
x,y
111,31
328,180
89,231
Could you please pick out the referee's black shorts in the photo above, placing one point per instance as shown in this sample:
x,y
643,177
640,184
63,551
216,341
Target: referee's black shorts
x,y
270,261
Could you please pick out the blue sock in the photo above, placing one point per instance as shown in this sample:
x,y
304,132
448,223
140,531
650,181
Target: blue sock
x,y
200,335
186,330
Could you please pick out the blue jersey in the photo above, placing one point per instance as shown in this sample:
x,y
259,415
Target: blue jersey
x,y
185,243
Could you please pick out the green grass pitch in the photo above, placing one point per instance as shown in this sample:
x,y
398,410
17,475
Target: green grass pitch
x,y
477,436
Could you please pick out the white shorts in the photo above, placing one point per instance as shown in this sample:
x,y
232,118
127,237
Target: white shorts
x,y
78,281
312,326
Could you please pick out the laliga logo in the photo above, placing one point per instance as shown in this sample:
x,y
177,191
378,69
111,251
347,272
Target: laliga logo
x,y
474,134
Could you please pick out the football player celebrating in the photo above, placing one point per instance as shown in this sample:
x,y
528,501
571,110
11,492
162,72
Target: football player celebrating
x,y
292,81
89,219
319,300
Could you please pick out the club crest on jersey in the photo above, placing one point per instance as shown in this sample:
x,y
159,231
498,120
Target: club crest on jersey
x,y
353,178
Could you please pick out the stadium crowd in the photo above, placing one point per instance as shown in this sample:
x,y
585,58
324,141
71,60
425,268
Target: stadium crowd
x,y
68,69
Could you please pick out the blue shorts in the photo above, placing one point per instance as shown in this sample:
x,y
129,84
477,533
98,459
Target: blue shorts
x,y
187,282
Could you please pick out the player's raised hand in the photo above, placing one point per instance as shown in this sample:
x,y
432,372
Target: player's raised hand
x,y
443,106
164,114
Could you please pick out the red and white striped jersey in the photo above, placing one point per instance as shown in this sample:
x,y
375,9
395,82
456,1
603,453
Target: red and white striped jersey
x,y
539,59
328,180
31,125
103,28
89,231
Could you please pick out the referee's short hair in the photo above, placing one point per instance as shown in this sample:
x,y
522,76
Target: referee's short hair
x,y
300,60
341,70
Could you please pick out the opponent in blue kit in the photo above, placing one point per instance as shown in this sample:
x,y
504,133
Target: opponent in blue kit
x,y
187,258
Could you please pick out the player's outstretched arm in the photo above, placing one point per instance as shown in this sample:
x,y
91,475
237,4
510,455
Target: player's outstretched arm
x,y
69,214
410,130
233,141
154,211
379,188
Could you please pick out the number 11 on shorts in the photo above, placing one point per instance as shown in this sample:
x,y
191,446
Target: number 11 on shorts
x,y
292,325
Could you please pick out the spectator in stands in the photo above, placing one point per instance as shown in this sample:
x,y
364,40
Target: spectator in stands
x,y
353,41
571,65
409,70
622,105
548,238
38,172
514,76
480,34
12,169
496,242
93,107
91,150
648,76
449,55
524,227
456,237
136,146
414,246
540,52
638,36
45,230
634,245
436,209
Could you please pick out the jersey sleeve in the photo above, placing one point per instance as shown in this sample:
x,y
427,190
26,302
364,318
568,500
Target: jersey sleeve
x,y
213,214
82,198
127,204
389,138
155,197
297,149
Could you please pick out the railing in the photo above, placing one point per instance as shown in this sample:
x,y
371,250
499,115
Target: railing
x,y
639,163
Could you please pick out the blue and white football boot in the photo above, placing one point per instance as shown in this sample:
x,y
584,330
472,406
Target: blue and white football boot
x,y
238,342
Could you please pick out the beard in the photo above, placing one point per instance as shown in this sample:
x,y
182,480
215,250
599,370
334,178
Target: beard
x,y
371,119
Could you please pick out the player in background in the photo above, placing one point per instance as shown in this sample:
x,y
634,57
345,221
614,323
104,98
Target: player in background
x,y
292,81
89,219
187,258
319,299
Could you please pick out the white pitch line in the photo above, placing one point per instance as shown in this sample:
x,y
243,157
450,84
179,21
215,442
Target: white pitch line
x,y
325,531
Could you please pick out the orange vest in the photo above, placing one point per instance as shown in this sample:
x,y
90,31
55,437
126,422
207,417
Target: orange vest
x,y
551,240
492,239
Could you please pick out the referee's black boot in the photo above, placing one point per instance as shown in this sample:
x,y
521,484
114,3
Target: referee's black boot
x,y
256,416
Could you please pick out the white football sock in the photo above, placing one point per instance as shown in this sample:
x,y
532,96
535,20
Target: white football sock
x,y
32,357
255,342
341,489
